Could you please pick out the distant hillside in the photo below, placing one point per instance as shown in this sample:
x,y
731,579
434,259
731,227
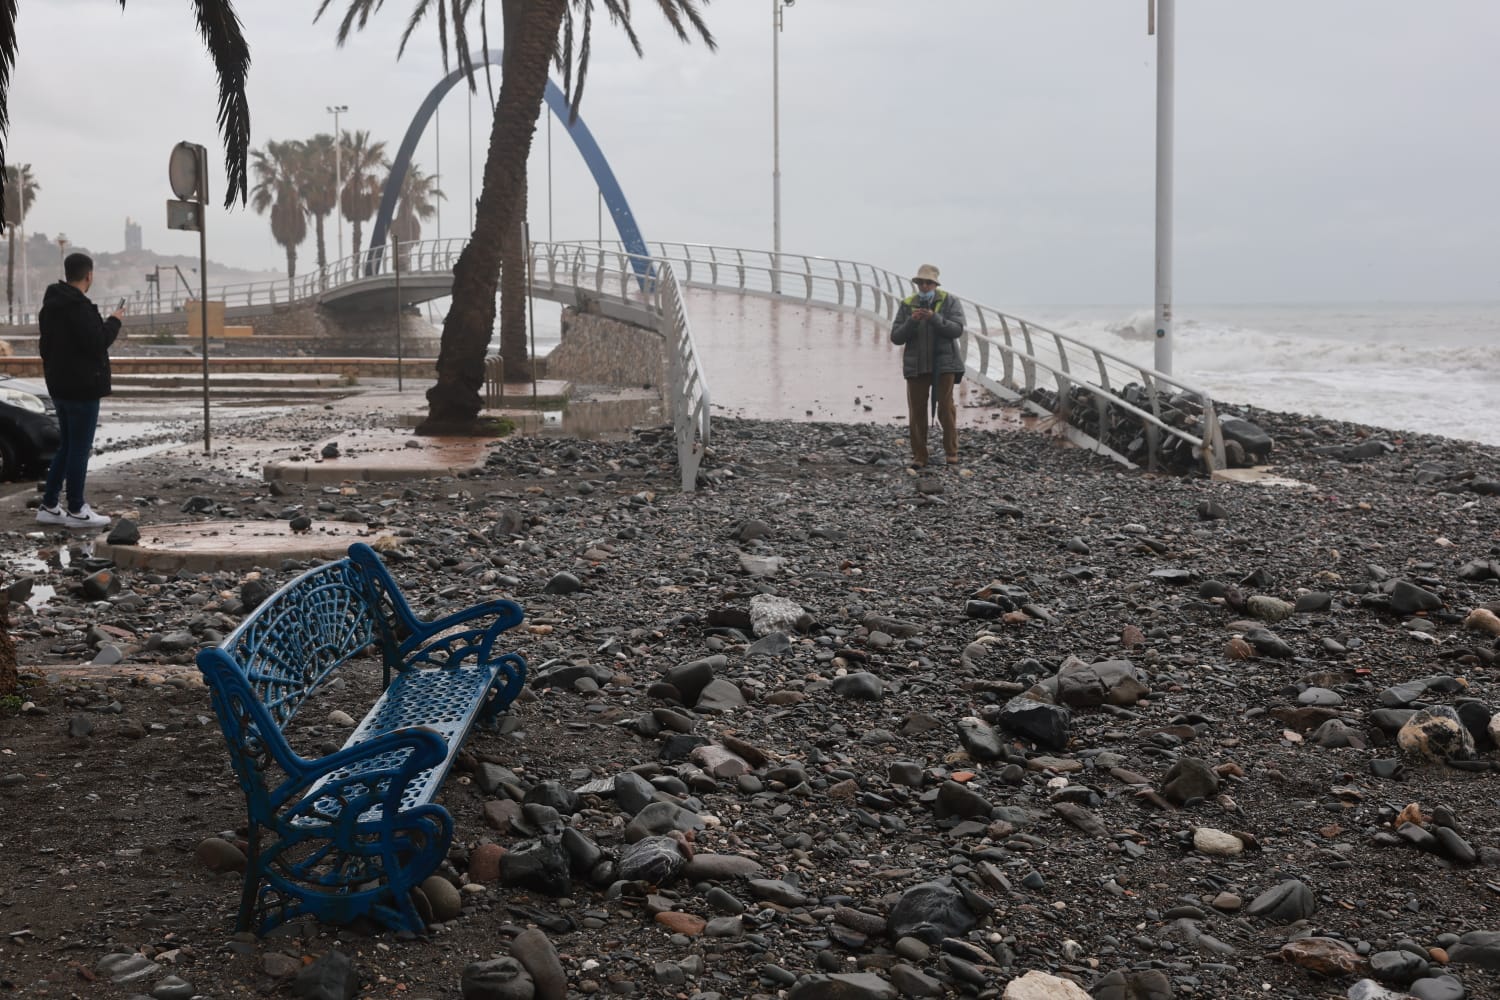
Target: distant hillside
x,y
116,274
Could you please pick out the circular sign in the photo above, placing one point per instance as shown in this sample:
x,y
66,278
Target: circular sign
x,y
182,171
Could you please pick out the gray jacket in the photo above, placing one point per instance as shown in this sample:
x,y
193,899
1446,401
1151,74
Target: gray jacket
x,y
933,345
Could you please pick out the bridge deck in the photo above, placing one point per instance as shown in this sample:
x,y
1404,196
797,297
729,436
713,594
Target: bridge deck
x,y
776,359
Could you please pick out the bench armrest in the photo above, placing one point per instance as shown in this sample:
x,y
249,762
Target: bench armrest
x,y
369,779
507,615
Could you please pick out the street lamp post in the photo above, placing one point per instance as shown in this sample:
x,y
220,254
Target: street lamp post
x,y
338,171
1165,24
62,249
776,19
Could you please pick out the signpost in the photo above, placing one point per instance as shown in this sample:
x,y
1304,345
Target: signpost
x,y
187,173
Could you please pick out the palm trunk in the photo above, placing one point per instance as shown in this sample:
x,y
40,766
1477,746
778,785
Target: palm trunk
x,y
10,275
322,248
358,234
291,273
10,681
513,297
454,401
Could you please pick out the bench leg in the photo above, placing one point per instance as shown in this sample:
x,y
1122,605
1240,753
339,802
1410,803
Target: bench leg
x,y
503,691
339,873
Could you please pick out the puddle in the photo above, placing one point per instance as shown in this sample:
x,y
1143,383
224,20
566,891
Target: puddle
x,y
603,418
34,564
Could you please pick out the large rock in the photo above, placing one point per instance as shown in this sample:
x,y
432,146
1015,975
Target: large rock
x,y
1285,903
1256,443
1325,956
860,686
657,860
1113,682
1188,778
1477,948
534,950
980,739
843,986
1407,598
496,979
930,912
1042,723
1436,734
1037,985
1122,984
769,614
691,678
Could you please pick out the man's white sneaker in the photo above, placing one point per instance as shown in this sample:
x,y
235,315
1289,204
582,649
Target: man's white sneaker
x,y
85,517
50,515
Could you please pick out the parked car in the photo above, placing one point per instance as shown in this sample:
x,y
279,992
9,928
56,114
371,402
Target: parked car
x,y
28,428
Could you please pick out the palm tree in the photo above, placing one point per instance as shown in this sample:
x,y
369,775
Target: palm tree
x,y
417,204
277,168
365,163
317,182
20,193
532,43
220,27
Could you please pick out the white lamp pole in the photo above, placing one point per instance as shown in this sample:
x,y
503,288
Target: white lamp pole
x,y
1165,17
338,171
776,18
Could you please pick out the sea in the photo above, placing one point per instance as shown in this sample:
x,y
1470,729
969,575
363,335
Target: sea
x,y
1430,368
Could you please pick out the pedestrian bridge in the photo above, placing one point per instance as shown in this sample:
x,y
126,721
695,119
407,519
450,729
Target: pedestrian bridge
x,y
796,337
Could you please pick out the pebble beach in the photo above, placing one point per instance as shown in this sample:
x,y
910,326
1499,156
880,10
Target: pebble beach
x,y
1035,726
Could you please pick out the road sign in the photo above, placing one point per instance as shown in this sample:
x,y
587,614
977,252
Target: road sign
x,y
184,215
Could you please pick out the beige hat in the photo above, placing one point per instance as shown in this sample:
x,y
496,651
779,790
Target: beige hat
x,y
927,272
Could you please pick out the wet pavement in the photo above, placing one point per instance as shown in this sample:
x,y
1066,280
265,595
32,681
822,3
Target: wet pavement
x,y
773,359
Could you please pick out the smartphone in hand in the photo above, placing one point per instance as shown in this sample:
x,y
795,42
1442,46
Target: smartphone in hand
x,y
120,305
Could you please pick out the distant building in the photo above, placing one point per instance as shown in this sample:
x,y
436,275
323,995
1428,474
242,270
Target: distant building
x,y
132,234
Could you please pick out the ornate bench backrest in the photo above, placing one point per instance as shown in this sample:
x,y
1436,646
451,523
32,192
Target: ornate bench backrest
x,y
304,631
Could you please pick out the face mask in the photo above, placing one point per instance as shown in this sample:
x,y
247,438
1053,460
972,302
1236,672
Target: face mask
x,y
926,298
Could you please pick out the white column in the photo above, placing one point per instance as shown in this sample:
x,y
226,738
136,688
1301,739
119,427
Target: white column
x,y
1165,32
776,146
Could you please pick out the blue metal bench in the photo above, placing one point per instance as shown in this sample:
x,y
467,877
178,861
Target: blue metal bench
x,y
354,832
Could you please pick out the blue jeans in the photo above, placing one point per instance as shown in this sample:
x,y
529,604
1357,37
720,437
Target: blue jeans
x,y
77,419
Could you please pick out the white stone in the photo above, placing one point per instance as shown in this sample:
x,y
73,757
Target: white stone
x,y
769,613
1040,986
1217,842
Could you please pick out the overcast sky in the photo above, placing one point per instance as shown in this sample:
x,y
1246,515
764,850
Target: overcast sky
x,y
1327,150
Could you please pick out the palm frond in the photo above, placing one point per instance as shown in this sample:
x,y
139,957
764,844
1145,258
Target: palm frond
x,y
220,28
7,61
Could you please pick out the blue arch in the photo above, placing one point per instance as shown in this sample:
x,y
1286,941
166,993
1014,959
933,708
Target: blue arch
x,y
593,156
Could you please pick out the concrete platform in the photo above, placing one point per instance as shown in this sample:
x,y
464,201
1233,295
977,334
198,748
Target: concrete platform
x,y
208,546
382,455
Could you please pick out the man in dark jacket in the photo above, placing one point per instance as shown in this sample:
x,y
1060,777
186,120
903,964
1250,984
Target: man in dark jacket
x,y
929,327
75,359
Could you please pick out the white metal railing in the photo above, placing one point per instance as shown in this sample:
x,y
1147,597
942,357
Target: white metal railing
x,y
1046,371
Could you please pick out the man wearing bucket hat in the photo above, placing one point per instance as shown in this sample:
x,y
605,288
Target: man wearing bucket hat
x,y
928,328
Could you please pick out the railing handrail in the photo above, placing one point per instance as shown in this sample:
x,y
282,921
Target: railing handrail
x,y
1070,369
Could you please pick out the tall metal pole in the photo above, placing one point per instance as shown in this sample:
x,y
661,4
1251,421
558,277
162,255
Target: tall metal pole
x,y
203,303
25,276
396,268
1166,22
776,146
338,172
549,176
